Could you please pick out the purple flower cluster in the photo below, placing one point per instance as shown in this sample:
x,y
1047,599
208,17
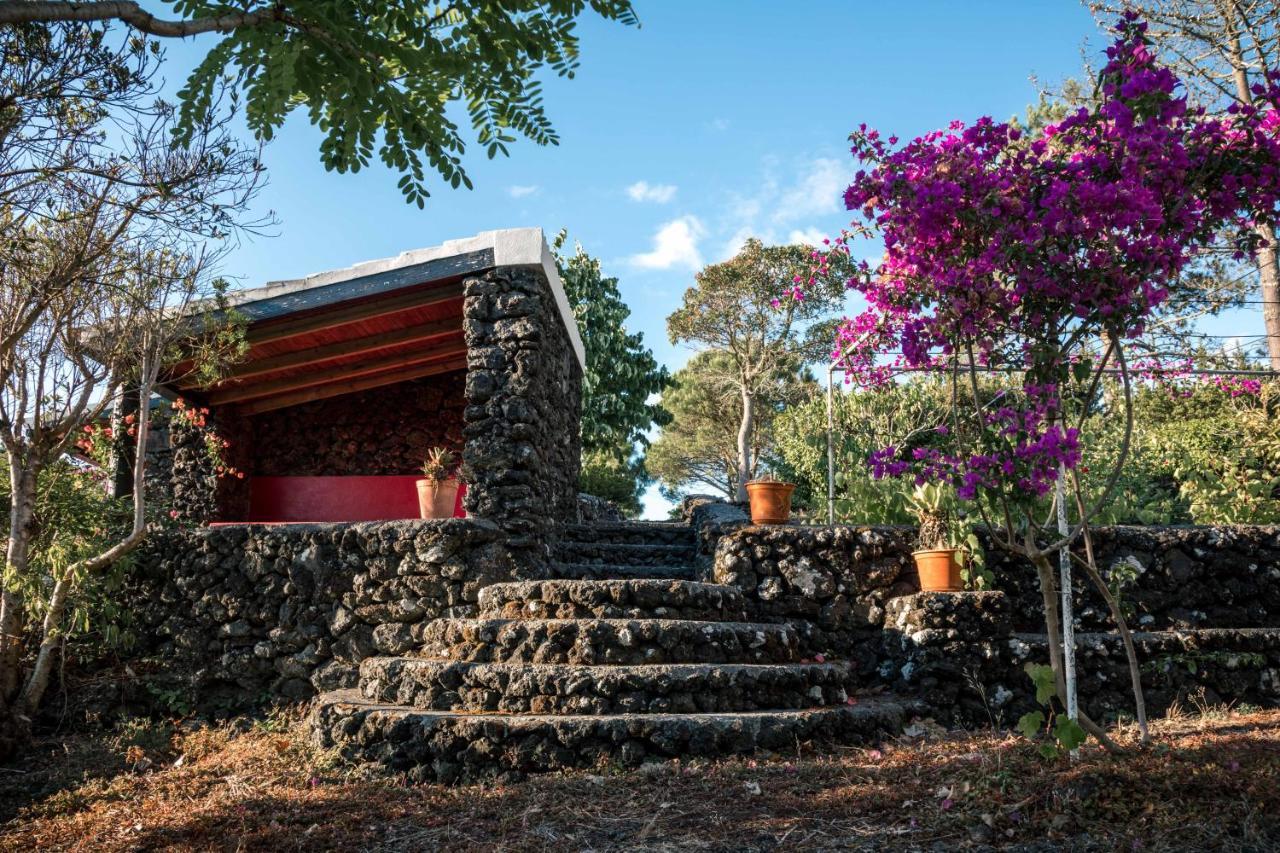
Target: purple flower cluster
x,y
1019,445
1012,248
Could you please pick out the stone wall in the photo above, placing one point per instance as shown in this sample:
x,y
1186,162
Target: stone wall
x,y
385,430
1176,577
832,584
246,612
958,653
1181,577
524,388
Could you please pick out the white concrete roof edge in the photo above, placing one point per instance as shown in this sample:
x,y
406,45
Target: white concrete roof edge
x,y
511,247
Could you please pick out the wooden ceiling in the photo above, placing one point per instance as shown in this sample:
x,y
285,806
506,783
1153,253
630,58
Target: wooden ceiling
x,y
341,348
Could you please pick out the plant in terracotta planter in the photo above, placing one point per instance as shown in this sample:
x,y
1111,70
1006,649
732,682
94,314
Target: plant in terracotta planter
x,y
948,555
438,488
770,500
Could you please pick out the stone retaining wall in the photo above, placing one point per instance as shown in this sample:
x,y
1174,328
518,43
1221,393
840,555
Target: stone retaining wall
x,y
959,654
1170,577
253,611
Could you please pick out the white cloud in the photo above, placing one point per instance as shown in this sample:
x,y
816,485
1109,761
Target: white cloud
x,y
644,191
720,124
735,243
809,236
519,191
675,245
817,191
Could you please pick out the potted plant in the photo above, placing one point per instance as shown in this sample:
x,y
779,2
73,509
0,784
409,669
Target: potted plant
x,y
438,488
770,500
947,553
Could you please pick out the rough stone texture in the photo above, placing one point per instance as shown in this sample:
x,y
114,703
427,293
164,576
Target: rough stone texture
x,y
941,646
623,553
957,653
831,584
628,533
1214,666
711,518
610,571
380,431
600,641
450,747
1188,577
612,599
250,610
592,508
562,689
524,390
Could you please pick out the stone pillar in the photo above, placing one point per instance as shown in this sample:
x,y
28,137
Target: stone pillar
x,y
524,387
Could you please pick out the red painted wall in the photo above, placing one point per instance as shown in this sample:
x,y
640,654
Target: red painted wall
x,y
379,498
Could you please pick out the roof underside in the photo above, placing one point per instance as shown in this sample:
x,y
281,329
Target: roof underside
x,y
375,324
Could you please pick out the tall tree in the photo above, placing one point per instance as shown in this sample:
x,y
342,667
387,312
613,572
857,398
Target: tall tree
x,y
745,308
621,379
109,230
1222,50
699,448
372,74
622,375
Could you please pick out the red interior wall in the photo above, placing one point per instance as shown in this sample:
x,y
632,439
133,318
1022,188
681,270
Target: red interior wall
x,y
379,498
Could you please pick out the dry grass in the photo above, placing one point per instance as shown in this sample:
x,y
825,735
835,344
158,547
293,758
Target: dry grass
x,y
1210,782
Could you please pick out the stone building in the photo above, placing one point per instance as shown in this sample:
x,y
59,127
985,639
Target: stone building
x,y
351,375
520,638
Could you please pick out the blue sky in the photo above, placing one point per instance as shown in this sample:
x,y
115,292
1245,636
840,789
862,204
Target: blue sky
x,y
715,120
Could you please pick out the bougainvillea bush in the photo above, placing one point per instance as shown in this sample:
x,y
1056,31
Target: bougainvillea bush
x,y
1045,255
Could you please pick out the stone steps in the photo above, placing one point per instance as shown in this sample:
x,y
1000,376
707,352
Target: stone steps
x,y
631,554
566,689
452,747
621,656
608,641
630,532
613,571
633,598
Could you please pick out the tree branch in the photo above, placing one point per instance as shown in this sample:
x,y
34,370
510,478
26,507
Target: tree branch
x,y
125,11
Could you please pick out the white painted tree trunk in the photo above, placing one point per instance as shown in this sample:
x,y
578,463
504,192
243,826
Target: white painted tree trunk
x,y
745,428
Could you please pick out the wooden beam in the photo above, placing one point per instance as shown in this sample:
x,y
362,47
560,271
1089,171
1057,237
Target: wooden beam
x,y
279,330
328,352
335,389
332,374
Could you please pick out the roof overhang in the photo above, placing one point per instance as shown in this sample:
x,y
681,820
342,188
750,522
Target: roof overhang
x,y
371,324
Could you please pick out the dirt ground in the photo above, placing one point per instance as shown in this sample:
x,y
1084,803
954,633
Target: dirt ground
x,y
1210,781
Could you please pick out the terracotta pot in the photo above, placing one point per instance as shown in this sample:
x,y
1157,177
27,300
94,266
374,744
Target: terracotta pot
x,y
770,502
436,498
939,569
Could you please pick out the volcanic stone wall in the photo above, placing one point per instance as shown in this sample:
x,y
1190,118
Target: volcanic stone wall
x,y
524,395
959,654
251,611
385,430
1169,577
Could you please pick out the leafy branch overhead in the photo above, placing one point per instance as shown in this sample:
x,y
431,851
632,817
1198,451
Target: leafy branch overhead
x,y
377,77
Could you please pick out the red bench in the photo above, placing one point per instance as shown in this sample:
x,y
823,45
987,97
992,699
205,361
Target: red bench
x,y
302,499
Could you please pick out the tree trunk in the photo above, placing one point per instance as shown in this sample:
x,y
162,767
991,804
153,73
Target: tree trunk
x,y
123,451
52,630
22,480
745,428
1268,259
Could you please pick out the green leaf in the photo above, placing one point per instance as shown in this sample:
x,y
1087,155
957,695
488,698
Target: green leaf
x,y
1043,678
1068,733
1029,724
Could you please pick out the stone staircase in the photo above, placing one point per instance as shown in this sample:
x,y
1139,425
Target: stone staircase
x,y
620,656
